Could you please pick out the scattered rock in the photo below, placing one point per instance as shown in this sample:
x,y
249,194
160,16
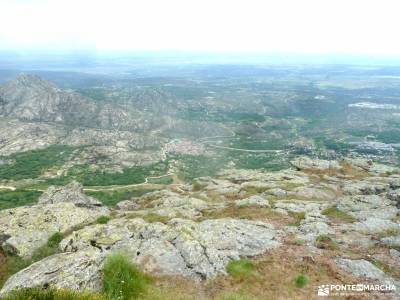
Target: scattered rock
x,y
254,200
73,193
127,205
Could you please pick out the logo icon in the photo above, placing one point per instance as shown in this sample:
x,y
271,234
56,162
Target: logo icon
x,y
323,290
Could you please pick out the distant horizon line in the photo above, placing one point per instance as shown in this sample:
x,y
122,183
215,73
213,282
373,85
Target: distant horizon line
x,y
196,57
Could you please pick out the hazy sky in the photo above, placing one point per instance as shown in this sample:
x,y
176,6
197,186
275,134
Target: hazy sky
x,y
310,26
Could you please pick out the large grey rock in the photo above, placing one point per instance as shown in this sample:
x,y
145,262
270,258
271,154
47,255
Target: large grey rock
x,y
24,229
170,204
375,225
76,271
365,187
181,247
365,269
363,207
73,193
392,241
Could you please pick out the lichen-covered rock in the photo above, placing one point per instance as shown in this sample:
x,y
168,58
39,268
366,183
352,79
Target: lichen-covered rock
x,y
170,204
254,200
181,247
305,163
392,241
73,193
365,187
363,207
128,205
375,225
363,268
76,271
24,229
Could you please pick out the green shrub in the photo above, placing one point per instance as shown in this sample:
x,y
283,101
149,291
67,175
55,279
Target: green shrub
x,y
103,219
110,198
240,268
298,217
122,280
51,294
10,199
153,218
55,239
301,280
335,214
31,164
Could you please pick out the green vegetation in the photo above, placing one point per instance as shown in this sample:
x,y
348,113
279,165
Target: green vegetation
x,y
324,241
87,177
51,294
161,180
150,217
55,239
332,144
32,164
220,116
110,198
301,280
196,186
240,268
335,214
10,199
298,217
192,167
122,280
103,219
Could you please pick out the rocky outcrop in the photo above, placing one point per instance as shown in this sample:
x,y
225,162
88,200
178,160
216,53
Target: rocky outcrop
x,y
30,98
166,203
181,247
254,200
24,229
76,271
365,269
346,211
306,163
72,193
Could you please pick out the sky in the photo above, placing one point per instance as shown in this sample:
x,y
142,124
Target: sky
x,y
297,26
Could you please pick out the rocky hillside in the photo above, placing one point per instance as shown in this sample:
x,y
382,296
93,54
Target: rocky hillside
x,y
331,222
29,98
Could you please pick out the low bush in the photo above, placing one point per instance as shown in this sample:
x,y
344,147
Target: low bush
x,y
337,215
301,280
103,219
122,280
240,268
55,239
